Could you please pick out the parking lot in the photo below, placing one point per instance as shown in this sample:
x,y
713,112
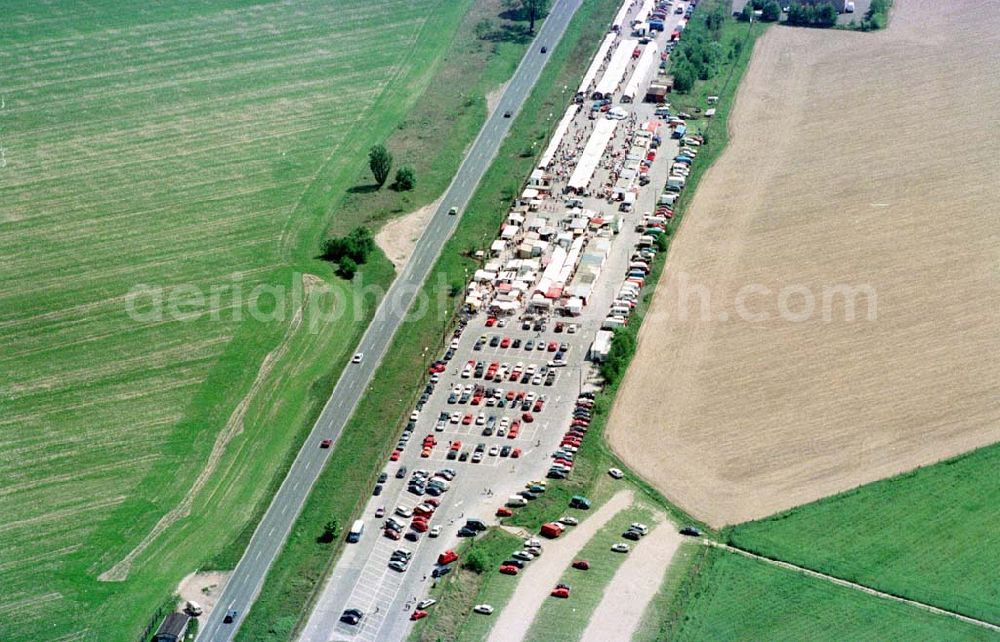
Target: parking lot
x,y
362,578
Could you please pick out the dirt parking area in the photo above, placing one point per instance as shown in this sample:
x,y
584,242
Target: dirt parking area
x,y
866,161
203,588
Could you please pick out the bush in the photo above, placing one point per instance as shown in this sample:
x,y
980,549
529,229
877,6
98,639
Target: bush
x,y
406,178
380,163
805,15
476,561
699,53
772,11
357,245
348,267
622,348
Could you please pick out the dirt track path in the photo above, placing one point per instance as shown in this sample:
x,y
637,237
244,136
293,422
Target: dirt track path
x,y
541,575
633,586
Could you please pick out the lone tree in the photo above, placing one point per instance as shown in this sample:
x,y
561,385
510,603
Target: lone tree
x,y
329,532
380,162
406,178
530,9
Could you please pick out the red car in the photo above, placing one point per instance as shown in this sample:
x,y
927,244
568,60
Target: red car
x,y
455,445
561,591
326,443
527,418
503,511
422,512
538,406
467,419
391,534
426,452
395,455
477,400
447,557
417,615
419,525
636,52
514,454
491,321
505,342
510,395
509,569
553,346
582,565
437,367
514,430
433,501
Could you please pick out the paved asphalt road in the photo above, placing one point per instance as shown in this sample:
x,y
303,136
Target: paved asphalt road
x,y
245,583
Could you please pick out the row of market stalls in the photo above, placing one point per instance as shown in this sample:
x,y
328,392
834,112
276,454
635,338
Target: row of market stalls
x,y
543,261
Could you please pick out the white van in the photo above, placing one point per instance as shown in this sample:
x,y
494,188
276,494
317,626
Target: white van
x,y
516,501
620,311
357,529
193,608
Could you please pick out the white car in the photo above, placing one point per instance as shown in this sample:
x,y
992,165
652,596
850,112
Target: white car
x,y
494,450
358,357
434,532
639,527
455,417
480,419
620,547
403,511
423,605
616,473
522,555
569,521
484,609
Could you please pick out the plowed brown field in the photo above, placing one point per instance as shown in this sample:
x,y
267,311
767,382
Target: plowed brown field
x,y
867,160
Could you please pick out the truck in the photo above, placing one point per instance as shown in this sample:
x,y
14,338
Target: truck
x,y
679,132
552,530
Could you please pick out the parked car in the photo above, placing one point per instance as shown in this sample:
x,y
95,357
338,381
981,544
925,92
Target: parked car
x,y
484,609
351,616
691,531
581,565
620,547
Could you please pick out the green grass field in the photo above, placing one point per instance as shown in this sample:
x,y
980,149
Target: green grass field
x,y
929,535
737,598
195,144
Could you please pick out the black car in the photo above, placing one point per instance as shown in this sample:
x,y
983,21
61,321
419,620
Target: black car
x,y
506,114
517,563
351,616
383,477
545,49
464,456
494,341
412,536
505,451
230,616
475,524
516,343
378,490
401,473
691,531
441,571
452,455
635,536
466,532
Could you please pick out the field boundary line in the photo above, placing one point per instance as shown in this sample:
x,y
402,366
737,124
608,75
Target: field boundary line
x,y
854,585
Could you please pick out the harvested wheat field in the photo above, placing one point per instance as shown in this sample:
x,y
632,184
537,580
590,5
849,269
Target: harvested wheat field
x,y
869,160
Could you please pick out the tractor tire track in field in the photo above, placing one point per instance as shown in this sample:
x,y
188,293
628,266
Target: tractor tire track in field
x,y
855,586
234,426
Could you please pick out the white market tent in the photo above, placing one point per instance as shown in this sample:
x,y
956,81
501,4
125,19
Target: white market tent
x,y
592,153
616,68
645,10
561,129
622,14
595,66
647,60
